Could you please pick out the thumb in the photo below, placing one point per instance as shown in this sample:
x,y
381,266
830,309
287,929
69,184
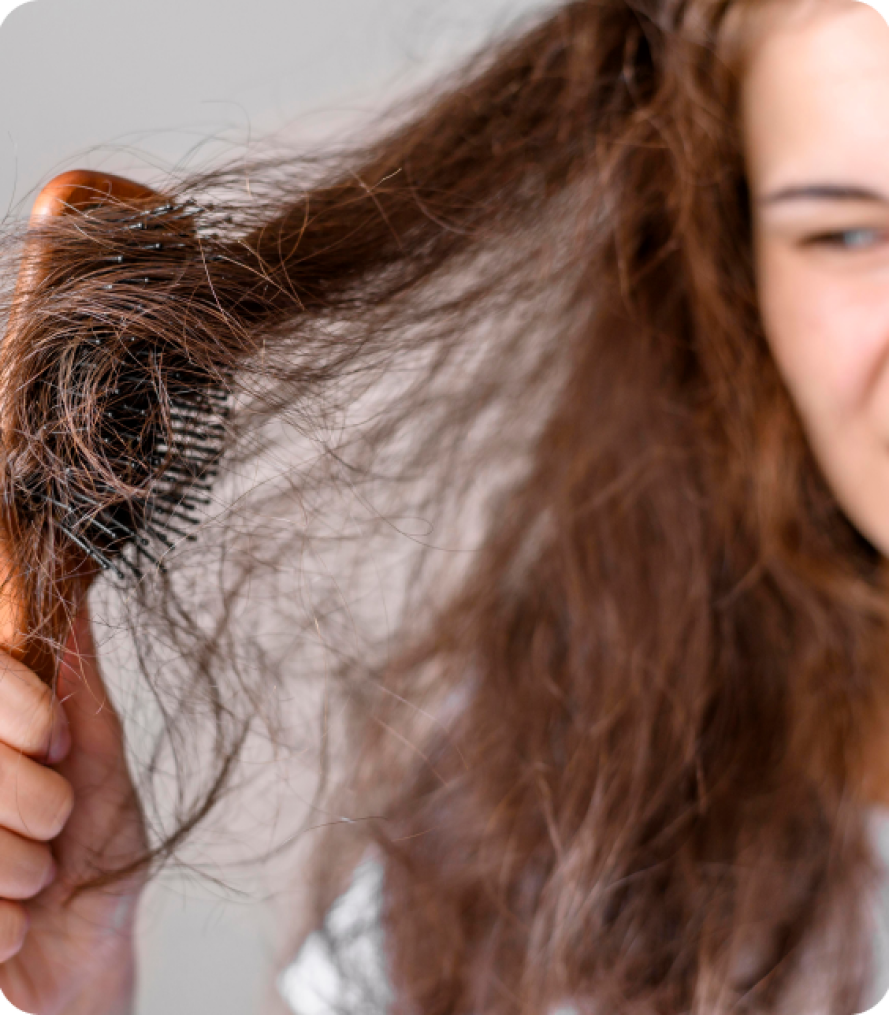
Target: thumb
x,y
95,727
106,825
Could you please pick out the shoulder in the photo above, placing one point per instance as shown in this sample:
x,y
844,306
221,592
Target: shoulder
x,y
341,967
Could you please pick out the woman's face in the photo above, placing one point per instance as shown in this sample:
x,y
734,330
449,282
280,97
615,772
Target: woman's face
x,y
816,120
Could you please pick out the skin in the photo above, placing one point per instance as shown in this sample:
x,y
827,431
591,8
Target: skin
x,y
816,122
66,801
815,106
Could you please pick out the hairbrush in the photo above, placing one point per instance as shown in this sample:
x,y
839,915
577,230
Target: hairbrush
x,y
153,416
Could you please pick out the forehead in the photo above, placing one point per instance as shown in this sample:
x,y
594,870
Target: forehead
x,y
816,90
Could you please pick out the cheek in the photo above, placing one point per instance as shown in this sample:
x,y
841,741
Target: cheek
x,y
829,333
828,328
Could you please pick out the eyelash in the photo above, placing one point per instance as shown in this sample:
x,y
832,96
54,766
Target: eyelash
x,y
836,239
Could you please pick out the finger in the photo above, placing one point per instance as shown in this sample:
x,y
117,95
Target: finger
x,y
92,719
35,801
31,717
14,925
26,867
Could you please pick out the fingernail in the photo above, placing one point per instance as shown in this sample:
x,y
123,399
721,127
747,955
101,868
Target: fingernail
x,y
50,875
61,741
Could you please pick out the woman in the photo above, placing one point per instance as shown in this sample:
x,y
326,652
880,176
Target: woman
x,y
622,758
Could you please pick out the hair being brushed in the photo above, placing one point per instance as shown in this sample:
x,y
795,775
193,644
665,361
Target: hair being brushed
x,y
617,761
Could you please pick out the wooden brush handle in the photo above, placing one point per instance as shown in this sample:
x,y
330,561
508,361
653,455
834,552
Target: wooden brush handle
x,y
80,188
66,193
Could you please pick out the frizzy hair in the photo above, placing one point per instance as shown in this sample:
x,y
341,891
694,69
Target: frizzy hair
x,y
658,676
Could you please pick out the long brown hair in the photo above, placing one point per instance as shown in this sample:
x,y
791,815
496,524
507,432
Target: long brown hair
x,y
611,751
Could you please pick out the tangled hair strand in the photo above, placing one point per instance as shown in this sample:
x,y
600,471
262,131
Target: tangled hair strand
x,y
610,754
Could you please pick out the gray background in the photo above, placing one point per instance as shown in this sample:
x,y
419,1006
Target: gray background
x,y
146,86
143,87
80,78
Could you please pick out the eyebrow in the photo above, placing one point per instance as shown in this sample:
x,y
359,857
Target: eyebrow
x,y
825,192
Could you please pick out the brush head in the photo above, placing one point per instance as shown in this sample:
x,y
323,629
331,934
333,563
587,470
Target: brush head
x,y
113,444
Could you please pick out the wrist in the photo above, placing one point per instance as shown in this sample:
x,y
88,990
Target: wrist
x,y
108,983
111,993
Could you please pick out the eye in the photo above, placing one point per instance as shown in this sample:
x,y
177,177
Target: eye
x,y
849,239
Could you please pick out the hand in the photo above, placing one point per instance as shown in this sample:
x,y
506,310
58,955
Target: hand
x,y
65,796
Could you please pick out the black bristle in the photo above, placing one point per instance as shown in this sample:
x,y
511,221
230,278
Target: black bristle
x,y
166,453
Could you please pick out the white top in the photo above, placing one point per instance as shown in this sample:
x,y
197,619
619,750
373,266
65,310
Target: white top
x,y
315,984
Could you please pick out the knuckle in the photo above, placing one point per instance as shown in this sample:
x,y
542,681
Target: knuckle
x,y
35,801
36,872
41,723
14,922
36,721
31,718
56,805
26,872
